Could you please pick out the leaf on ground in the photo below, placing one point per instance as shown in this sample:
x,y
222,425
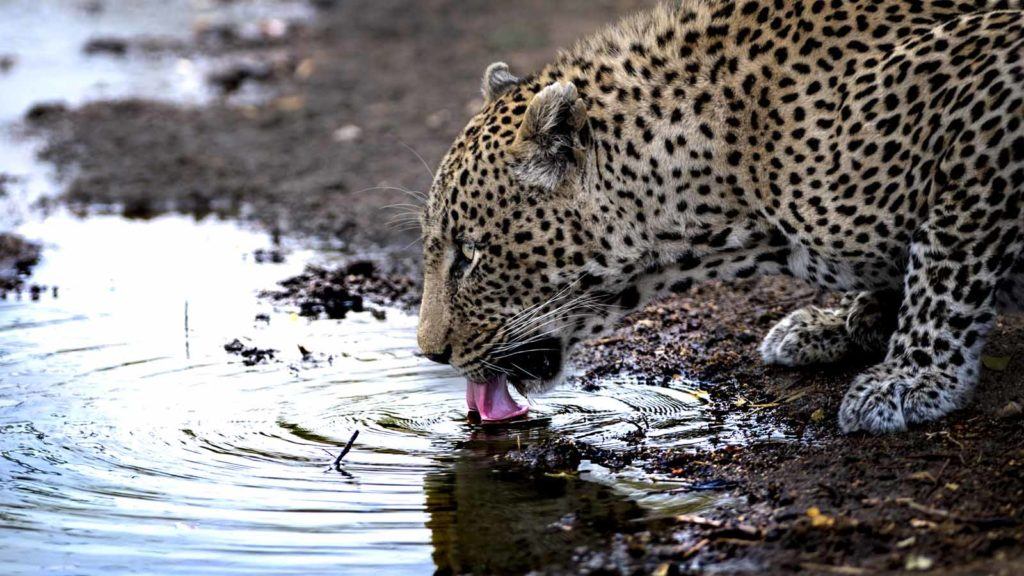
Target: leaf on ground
x,y
995,363
907,543
818,519
290,103
923,476
919,563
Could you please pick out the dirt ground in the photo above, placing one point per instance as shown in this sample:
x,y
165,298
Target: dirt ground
x,y
17,258
354,93
354,100
947,497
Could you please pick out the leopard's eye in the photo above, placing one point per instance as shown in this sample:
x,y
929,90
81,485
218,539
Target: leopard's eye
x,y
465,255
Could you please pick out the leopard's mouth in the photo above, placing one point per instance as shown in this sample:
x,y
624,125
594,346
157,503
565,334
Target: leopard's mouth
x,y
535,360
528,367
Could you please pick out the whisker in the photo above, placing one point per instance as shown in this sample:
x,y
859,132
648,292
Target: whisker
x,y
568,306
526,315
512,345
426,166
521,352
527,372
417,194
543,325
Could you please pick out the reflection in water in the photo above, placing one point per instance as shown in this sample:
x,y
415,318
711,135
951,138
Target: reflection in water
x,y
483,521
129,443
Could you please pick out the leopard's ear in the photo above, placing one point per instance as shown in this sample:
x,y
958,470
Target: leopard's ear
x,y
497,81
552,138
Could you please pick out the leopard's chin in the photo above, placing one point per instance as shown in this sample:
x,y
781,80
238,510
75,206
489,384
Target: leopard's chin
x,y
532,361
537,386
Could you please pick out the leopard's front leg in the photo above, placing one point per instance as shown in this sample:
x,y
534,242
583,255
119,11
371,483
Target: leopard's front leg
x,y
933,361
811,335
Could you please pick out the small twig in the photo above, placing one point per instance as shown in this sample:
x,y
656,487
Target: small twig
x,y
336,465
188,354
695,548
990,522
344,451
699,521
709,486
828,569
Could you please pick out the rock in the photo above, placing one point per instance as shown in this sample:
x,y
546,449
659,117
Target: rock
x,y
556,455
270,255
7,62
232,78
251,355
92,7
290,103
111,46
347,133
17,258
334,293
438,119
361,268
919,563
45,111
1012,409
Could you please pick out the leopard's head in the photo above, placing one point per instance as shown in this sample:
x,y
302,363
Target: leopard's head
x,y
512,254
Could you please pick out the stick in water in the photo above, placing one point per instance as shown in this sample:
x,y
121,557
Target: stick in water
x,y
344,451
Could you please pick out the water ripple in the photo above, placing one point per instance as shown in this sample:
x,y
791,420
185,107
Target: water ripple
x,y
124,450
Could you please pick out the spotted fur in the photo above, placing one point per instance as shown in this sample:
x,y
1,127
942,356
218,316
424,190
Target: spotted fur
x,y
871,147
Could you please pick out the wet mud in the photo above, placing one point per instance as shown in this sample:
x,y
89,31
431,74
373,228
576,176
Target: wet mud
x,y
17,258
346,116
946,497
319,292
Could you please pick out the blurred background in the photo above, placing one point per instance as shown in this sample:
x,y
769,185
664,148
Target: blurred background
x,y
303,116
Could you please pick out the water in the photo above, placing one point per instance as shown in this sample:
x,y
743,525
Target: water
x,y
131,442
45,39
128,444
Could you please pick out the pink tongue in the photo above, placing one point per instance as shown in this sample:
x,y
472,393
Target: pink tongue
x,y
491,399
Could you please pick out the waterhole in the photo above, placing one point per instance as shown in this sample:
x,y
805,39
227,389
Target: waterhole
x,y
130,441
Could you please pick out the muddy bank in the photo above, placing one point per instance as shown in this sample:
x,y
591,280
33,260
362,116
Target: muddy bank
x,y
946,497
352,108
17,258
358,286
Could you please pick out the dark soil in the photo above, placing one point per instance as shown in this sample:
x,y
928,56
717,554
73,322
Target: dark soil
x,y
17,258
324,154
351,101
111,46
319,292
949,495
251,355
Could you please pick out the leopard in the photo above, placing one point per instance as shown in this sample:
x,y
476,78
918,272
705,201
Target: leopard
x,y
873,148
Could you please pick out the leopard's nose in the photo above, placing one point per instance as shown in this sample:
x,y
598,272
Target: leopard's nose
x,y
442,358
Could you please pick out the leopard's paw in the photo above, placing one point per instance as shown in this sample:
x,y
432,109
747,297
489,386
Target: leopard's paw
x,y
887,398
807,336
